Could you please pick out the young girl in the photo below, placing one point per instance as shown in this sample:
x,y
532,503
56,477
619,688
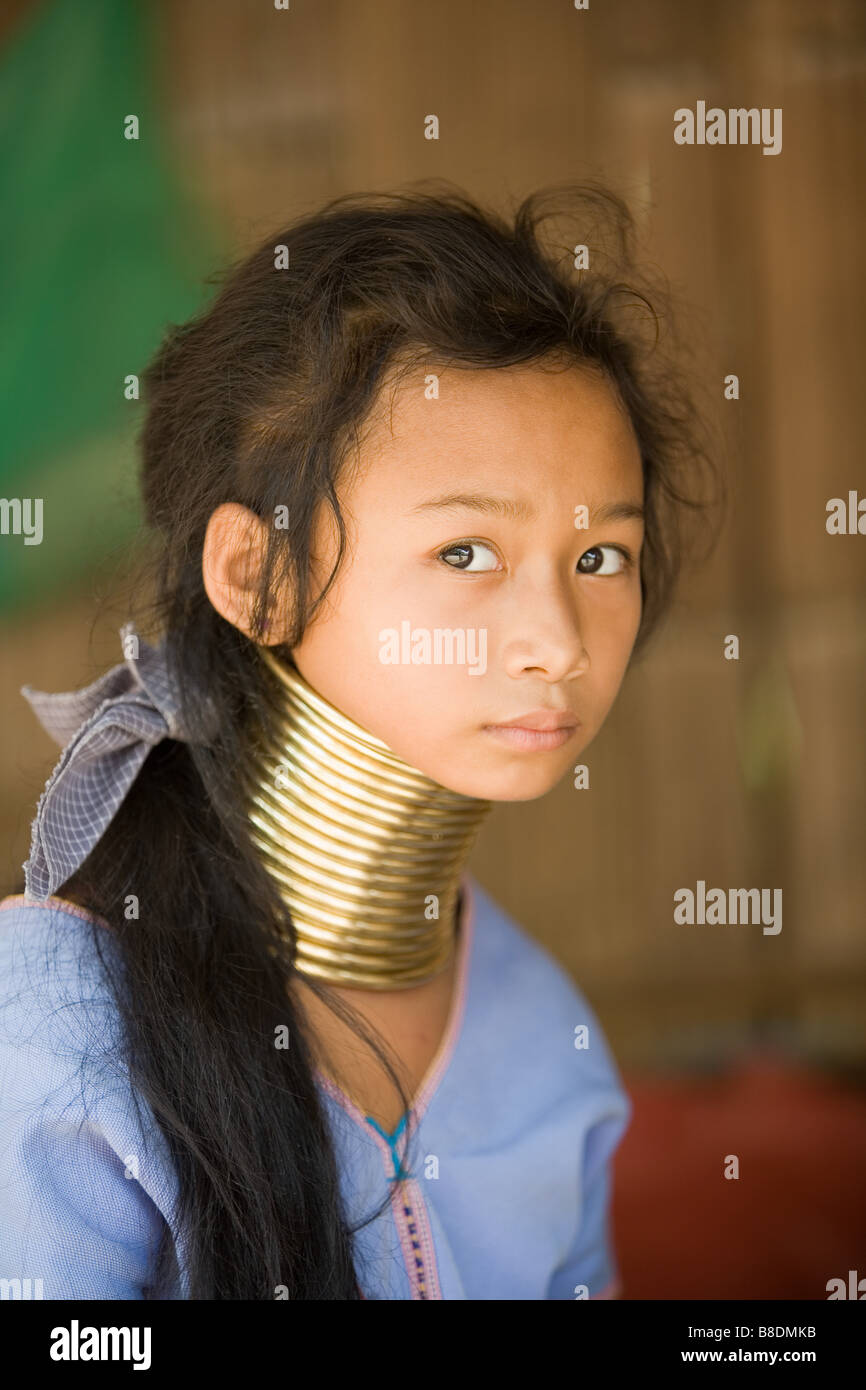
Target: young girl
x,y
414,486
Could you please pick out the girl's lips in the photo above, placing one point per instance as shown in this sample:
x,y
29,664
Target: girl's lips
x,y
531,740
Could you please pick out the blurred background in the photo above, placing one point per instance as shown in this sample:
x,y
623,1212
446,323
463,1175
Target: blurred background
x,y
745,773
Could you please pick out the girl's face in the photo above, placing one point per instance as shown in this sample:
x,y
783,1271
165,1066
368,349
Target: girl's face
x,y
468,596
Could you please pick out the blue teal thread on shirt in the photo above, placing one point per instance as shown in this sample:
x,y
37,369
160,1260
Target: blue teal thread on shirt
x,y
391,1140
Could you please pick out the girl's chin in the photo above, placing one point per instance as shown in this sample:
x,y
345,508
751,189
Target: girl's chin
x,y
521,784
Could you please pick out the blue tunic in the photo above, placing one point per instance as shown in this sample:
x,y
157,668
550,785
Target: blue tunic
x,y
509,1197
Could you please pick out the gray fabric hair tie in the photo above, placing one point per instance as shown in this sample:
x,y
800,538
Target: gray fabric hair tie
x,y
106,731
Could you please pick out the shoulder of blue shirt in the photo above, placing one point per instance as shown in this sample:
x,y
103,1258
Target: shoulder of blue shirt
x,y
86,1185
546,1004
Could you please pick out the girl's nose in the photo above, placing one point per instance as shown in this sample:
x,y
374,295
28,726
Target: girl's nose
x,y
548,641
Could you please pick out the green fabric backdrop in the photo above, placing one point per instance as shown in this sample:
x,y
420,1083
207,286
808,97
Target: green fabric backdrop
x,y
100,248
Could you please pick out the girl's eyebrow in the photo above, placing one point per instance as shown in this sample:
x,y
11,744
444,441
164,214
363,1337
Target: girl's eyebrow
x,y
522,509
515,508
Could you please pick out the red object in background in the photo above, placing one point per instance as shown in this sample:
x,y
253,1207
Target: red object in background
x,y
794,1218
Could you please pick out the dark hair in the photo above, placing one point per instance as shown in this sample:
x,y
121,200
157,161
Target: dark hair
x,y
257,400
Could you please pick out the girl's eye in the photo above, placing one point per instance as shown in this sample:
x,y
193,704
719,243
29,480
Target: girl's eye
x,y
590,561
464,549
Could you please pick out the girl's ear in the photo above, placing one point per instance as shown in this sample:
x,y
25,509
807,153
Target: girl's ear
x,y
235,545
